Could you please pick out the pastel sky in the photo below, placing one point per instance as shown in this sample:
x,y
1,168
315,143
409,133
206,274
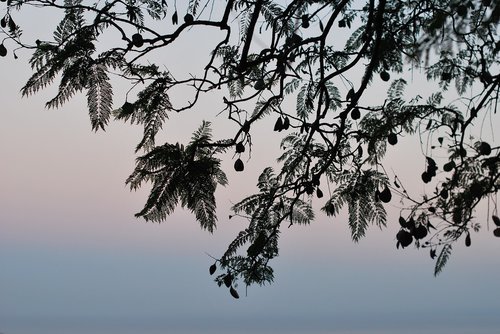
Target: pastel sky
x,y
73,259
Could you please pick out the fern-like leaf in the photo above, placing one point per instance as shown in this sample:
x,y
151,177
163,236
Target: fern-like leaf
x,y
181,175
357,221
99,97
442,259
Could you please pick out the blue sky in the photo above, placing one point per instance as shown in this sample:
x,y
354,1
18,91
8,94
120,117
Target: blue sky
x,y
74,260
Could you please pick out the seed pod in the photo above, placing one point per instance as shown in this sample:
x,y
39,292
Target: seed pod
x,y
385,76
286,123
319,193
12,24
462,10
443,193
404,238
188,18
175,18
484,148
278,126
305,21
228,280
496,232
259,85
234,293
240,147
3,50
355,114
410,224
426,177
238,165
431,170
419,232
137,40
385,195
496,220
392,138
467,240
448,167
403,222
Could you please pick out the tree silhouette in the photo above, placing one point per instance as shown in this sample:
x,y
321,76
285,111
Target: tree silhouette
x,y
273,54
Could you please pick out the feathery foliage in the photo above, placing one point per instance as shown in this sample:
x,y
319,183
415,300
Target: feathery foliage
x,y
319,70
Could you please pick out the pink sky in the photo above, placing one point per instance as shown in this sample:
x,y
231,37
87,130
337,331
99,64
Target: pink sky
x,y
69,244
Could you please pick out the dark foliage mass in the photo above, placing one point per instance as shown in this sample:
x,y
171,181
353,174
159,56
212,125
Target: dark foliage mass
x,y
276,53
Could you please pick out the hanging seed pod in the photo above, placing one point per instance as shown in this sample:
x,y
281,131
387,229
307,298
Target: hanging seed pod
x,y
305,22
403,222
448,167
355,113
443,193
12,25
496,220
385,76
234,293
467,240
228,280
484,148
392,138
278,126
212,269
286,123
188,18
137,40
259,84
3,50
238,165
240,147
496,232
385,195
426,177
404,238
419,232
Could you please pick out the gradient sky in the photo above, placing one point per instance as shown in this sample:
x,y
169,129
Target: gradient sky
x,y
73,259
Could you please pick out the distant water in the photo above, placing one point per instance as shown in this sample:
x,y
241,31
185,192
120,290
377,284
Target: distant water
x,y
146,330
142,326
214,331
